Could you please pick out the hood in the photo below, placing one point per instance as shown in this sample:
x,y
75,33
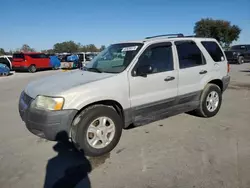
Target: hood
x,y
58,83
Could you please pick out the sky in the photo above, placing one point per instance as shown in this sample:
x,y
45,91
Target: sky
x,y
42,23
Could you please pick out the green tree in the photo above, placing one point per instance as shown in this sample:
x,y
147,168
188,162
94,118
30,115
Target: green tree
x,y
27,48
68,46
49,51
221,30
92,48
102,47
2,52
88,48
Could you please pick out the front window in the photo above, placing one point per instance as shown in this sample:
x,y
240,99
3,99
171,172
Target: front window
x,y
115,58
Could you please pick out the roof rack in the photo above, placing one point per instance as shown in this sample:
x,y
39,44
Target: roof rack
x,y
191,36
167,35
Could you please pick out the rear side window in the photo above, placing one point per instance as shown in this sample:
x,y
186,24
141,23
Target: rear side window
x,y
18,56
37,56
189,54
214,50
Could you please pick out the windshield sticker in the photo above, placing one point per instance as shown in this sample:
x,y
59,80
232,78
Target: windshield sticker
x,y
131,48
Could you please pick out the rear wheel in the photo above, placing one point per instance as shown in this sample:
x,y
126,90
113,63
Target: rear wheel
x,y
240,60
210,101
32,68
97,130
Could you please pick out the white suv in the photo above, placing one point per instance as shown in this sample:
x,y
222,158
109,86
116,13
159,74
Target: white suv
x,y
129,83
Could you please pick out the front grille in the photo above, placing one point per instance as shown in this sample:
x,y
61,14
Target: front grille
x,y
27,99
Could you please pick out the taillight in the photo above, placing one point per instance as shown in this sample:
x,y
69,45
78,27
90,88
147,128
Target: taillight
x,y
228,67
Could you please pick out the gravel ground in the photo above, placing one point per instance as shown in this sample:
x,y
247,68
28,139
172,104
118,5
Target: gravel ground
x,y
179,152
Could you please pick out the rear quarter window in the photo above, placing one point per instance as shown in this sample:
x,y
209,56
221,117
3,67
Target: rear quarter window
x,y
214,50
189,54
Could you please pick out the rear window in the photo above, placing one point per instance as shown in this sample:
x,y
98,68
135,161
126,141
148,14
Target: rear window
x,y
214,50
18,56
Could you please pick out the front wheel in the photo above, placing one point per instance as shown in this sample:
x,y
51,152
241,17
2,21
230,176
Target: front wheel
x,y
210,101
240,60
97,130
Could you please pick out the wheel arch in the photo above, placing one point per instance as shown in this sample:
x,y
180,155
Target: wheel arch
x,y
109,102
217,82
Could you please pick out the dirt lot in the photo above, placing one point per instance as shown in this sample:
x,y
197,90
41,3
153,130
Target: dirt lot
x,y
179,152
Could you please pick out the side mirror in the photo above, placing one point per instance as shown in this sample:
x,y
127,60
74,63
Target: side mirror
x,y
144,70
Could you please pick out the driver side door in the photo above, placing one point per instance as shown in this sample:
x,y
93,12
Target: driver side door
x,y
152,95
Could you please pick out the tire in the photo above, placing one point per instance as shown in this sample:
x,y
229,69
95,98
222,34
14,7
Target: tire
x,y
32,68
240,60
80,134
203,110
55,68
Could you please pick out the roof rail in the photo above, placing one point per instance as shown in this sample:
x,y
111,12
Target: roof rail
x,y
167,35
191,36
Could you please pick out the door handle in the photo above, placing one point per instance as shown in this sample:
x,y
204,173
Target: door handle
x,y
169,78
203,72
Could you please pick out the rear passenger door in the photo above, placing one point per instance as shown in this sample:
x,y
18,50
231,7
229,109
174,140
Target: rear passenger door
x,y
192,71
45,61
35,60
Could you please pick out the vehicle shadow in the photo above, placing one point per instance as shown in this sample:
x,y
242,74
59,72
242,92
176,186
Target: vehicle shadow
x,y
245,70
68,167
39,70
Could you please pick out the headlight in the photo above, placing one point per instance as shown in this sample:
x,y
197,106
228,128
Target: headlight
x,y
48,103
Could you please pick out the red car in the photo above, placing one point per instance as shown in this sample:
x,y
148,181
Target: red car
x,y
31,61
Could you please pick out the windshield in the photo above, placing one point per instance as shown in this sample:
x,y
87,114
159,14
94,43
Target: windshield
x,y
115,58
238,47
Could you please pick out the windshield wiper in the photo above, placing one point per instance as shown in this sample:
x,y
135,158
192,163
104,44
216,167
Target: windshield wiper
x,y
93,69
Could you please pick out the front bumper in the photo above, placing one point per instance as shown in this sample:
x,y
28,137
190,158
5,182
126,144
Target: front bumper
x,y
232,60
225,81
44,123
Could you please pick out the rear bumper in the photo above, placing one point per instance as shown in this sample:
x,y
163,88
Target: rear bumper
x,y
225,81
46,124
